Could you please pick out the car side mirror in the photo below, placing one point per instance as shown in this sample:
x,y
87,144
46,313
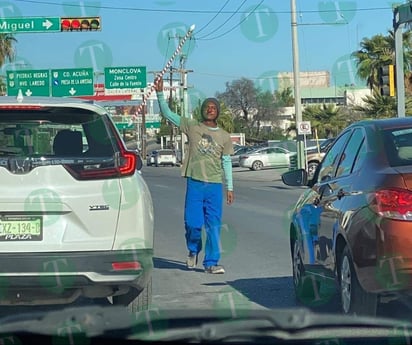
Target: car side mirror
x,y
295,178
139,162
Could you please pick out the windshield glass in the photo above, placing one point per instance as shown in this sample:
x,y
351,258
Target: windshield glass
x,y
144,144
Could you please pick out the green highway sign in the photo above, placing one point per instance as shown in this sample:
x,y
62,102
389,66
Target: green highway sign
x,y
72,82
29,24
30,82
124,125
124,80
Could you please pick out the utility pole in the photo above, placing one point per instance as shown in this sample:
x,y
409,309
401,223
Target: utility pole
x,y
296,82
143,128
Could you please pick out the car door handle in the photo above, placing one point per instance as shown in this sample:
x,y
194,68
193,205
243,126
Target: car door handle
x,y
340,194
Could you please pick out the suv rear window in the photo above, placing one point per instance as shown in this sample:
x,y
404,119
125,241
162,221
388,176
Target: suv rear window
x,y
85,142
165,152
55,132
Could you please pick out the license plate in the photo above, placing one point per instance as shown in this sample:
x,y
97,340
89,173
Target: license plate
x,y
21,228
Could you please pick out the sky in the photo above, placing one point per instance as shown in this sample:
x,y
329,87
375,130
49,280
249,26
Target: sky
x,y
232,39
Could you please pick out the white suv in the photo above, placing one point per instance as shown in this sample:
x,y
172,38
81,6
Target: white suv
x,y
76,216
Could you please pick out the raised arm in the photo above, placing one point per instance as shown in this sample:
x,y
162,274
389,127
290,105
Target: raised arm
x,y
164,107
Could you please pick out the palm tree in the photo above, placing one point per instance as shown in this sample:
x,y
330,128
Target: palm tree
x,y
326,119
284,97
377,106
374,53
7,51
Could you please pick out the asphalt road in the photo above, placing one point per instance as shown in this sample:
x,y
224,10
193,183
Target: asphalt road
x,y
255,248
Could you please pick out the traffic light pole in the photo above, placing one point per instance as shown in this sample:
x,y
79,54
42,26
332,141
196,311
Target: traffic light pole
x,y
400,82
402,14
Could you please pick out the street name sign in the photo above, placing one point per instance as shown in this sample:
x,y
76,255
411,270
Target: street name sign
x,y
124,80
30,82
72,82
29,24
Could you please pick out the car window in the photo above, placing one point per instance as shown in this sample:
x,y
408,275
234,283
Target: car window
x,y
63,135
278,150
330,160
348,156
398,146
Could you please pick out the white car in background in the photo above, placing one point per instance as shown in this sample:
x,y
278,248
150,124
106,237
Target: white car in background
x,y
76,216
267,157
165,157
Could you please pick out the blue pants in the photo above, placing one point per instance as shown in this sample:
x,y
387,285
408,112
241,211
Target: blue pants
x,y
203,207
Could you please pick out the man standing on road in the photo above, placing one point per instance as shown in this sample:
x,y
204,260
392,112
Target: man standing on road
x,y
206,165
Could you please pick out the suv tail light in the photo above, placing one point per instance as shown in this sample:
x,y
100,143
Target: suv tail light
x,y
125,166
393,203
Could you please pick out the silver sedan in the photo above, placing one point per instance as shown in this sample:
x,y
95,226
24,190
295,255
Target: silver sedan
x,y
267,157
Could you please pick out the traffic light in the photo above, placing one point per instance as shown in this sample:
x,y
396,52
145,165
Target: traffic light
x,y
80,24
386,79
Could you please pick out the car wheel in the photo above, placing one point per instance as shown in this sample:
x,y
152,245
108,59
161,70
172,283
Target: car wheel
x,y
257,165
312,166
354,299
135,302
304,286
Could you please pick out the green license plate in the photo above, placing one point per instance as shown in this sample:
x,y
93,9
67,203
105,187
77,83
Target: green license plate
x,y
21,228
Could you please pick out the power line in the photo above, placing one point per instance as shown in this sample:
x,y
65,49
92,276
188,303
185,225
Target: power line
x,y
226,21
213,18
169,10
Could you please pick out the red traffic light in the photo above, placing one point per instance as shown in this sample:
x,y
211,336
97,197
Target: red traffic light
x,y
80,24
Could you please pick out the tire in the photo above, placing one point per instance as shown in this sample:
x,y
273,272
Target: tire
x,y
354,299
312,166
304,286
257,165
134,301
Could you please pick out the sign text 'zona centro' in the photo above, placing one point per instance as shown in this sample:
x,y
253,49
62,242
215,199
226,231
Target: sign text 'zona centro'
x,y
124,80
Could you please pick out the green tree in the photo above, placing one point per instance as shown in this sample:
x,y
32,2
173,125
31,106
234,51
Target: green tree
x,y
284,97
240,97
326,119
377,106
225,119
374,53
7,53
7,50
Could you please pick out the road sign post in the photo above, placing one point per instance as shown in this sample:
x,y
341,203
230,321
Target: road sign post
x,y
124,80
29,24
30,82
72,82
